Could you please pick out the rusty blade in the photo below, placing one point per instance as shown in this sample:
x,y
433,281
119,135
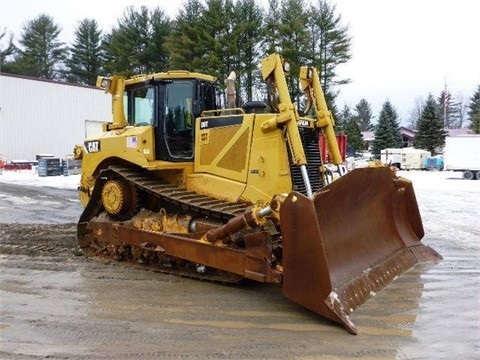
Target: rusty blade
x,y
354,238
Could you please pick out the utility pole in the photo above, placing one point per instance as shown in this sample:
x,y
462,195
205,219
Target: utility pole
x,y
445,100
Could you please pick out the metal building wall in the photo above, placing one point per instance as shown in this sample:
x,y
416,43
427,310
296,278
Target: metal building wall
x,y
38,116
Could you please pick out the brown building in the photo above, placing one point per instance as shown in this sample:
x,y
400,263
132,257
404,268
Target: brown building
x,y
408,135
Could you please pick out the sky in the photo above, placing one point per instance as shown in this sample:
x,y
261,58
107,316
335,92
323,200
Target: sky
x,y
401,49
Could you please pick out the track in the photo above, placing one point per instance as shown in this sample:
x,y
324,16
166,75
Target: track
x,y
178,200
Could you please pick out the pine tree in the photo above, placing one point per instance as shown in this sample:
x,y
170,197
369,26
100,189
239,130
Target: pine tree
x,y
293,39
41,54
346,123
86,58
330,46
394,125
308,36
158,55
354,135
474,111
364,115
136,45
342,119
249,30
387,133
272,41
430,130
218,40
183,44
205,38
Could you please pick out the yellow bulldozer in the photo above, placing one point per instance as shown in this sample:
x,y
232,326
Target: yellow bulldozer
x,y
176,183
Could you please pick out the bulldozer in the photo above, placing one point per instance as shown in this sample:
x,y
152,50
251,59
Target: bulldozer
x,y
177,183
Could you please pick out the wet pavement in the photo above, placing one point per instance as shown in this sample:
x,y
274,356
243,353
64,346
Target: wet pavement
x,y
47,205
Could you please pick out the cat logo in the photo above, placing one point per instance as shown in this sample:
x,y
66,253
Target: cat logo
x,y
92,146
303,123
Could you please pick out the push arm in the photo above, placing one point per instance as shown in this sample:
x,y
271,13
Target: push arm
x,y
310,83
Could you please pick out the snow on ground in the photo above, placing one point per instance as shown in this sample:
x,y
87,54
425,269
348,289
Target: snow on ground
x,y
31,178
449,206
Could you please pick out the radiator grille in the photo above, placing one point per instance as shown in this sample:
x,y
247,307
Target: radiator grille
x,y
309,138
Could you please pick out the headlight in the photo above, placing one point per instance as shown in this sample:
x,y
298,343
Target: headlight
x,y
286,66
309,73
105,83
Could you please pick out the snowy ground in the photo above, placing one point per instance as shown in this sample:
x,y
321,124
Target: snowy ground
x,y
449,205
31,178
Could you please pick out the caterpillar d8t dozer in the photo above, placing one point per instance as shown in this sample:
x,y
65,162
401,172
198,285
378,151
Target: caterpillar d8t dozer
x,y
237,193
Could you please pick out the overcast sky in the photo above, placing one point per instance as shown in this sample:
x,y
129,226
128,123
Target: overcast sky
x,y
402,49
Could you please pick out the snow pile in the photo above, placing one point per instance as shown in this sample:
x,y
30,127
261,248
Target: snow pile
x,y
31,178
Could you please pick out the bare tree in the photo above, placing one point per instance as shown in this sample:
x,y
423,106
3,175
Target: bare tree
x,y
6,51
416,112
462,109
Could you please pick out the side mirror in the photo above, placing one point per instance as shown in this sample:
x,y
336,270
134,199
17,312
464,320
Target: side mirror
x,y
197,108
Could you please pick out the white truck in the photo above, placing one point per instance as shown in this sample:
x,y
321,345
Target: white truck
x,y
462,153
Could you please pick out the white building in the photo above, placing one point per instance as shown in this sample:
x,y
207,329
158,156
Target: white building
x,y
39,116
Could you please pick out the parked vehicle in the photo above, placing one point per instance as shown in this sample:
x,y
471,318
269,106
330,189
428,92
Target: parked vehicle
x,y
434,163
404,158
462,153
391,157
414,159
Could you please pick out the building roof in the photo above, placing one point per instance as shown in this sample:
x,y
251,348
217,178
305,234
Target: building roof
x,y
409,133
57,82
461,131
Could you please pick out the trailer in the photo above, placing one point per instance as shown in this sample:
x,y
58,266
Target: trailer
x,y
414,159
404,158
462,153
391,156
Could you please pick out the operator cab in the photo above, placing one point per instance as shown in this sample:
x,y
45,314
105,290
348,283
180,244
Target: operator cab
x,y
171,107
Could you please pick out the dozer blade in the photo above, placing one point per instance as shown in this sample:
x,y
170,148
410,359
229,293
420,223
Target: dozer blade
x,y
352,239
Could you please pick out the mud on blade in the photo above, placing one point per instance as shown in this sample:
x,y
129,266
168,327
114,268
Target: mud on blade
x,y
343,246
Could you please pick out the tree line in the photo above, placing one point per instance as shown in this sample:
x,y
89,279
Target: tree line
x,y
217,37
211,36
430,125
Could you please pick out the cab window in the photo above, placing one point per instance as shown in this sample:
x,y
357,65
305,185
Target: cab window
x,y
139,107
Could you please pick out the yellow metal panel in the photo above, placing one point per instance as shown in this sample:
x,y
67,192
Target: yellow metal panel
x,y
222,146
216,187
174,74
235,157
269,170
212,142
138,140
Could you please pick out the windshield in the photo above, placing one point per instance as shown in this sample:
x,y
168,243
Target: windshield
x,y
179,119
